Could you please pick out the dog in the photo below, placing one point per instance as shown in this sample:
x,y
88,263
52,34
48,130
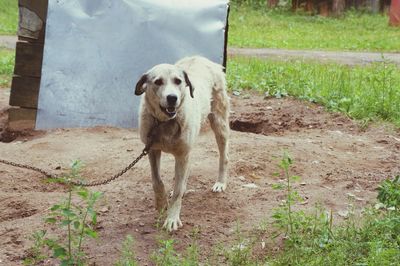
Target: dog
x,y
177,100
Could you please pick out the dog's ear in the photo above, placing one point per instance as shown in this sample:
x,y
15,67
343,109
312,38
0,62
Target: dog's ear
x,y
188,83
141,85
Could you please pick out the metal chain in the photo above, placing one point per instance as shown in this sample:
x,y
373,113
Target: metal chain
x,y
78,183
150,140
27,167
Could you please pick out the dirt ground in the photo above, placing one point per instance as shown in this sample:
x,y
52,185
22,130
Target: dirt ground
x,y
337,161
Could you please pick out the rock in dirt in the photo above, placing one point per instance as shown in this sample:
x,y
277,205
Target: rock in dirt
x,y
250,185
344,213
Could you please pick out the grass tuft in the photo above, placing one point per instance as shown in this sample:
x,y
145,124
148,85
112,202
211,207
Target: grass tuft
x,y
7,58
8,17
363,92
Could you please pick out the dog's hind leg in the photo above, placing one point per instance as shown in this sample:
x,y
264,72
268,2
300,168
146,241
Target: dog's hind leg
x,y
158,185
173,221
219,121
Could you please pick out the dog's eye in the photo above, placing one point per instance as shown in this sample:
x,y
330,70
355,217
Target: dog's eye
x,y
177,81
158,82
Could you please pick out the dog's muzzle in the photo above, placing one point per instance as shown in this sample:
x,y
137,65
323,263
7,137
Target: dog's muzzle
x,y
171,109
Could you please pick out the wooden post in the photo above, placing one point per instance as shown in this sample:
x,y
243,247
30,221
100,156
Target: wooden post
x,y
28,64
338,7
324,8
309,6
373,6
394,13
272,3
295,5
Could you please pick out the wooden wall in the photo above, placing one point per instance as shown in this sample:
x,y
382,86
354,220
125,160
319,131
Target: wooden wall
x,y
337,7
28,64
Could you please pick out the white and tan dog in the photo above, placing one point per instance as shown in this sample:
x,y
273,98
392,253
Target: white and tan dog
x,y
179,98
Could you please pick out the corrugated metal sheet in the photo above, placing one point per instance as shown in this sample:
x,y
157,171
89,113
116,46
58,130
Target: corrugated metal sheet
x,y
96,50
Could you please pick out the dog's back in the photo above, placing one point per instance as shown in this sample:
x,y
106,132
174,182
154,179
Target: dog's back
x,y
208,80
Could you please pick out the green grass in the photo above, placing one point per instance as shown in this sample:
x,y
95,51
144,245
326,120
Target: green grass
x,y
6,67
8,17
363,92
285,30
368,237
8,26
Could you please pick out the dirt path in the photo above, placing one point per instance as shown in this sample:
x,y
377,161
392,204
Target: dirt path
x,y
8,41
338,163
349,58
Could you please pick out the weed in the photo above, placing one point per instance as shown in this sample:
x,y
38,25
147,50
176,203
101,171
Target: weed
x,y
6,67
166,254
127,254
35,254
296,226
240,252
389,193
76,218
291,196
370,239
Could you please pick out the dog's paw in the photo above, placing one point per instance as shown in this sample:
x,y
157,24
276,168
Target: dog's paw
x,y
219,187
172,224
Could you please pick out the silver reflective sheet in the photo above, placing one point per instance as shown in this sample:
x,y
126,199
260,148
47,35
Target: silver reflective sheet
x,y
96,50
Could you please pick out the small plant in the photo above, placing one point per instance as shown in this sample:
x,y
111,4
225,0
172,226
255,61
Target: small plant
x,y
127,254
312,231
77,216
166,255
283,216
241,252
35,254
389,193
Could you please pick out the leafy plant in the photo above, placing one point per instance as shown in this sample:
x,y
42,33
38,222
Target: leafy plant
x,y
35,253
283,215
77,217
389,193
127,255
166,255
241,251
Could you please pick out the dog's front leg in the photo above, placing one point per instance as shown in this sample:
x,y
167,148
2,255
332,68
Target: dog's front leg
x,y
158,186
173,221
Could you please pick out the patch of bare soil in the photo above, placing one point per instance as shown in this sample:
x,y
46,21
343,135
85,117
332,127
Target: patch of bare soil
x,y
332,155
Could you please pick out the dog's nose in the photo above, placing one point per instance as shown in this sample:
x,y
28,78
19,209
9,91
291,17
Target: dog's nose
x,y
171,99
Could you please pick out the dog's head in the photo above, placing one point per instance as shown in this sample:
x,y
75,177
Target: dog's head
x,y
166,87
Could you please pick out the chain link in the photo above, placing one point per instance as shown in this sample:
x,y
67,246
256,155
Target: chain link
x,y
78,183
68,181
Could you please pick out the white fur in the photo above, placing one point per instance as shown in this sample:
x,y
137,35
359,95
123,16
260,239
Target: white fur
x,y
177,132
